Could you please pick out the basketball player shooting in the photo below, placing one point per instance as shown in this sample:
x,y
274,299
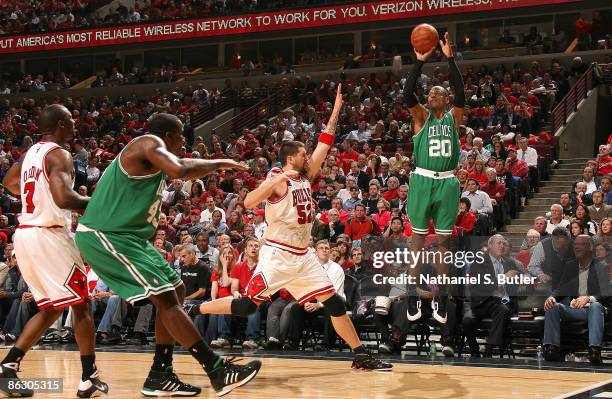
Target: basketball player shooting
x,y
285,260
47,255
436,155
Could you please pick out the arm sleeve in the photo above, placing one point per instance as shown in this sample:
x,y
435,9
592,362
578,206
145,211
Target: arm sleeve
x,y
457,83
411,82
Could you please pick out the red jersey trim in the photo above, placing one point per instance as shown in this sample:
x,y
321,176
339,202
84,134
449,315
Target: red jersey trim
x,y
44,161
276,201
27,226
286,247
311,295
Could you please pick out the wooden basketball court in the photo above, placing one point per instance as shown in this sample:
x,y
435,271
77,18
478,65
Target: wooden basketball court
x,y
304,378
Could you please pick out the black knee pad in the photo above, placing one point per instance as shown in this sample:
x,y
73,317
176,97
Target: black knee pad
x,y
334,306
243,307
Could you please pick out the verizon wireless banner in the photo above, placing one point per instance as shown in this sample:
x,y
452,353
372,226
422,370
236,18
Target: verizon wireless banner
x,y
263,22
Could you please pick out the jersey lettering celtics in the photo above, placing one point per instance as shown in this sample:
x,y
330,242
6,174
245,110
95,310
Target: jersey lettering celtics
x,y
437,147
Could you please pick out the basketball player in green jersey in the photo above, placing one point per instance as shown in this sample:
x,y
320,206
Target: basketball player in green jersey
x,y
434,187
113,236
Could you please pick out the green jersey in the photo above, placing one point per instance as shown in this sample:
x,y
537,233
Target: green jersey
x,y
125,204
437,146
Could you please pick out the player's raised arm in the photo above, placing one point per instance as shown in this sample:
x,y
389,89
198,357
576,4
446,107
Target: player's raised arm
x,y
273,186
60,168
456,81
326,139
183,168
418,111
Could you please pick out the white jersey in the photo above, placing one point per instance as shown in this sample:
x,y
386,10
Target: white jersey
x,y
290,217
39,208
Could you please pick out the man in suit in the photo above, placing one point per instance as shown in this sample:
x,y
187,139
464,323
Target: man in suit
x,y
489,299
402,199
584,294
599,209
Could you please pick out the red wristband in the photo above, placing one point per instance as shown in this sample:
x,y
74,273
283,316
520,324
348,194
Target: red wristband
x,y
326,138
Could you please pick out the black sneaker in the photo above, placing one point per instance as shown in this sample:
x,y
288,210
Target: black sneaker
x,y
230,376
552,353
166,383
88,388
139,338
8,374
370,363
595,355
438,305
414,308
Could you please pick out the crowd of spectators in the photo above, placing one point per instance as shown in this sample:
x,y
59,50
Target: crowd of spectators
x,y
360,196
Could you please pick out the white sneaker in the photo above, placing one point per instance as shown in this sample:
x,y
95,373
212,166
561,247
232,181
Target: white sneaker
x,y
250,345
220,343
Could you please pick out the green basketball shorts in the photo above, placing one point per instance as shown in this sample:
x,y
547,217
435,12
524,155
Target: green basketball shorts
x,y
433,198
127,264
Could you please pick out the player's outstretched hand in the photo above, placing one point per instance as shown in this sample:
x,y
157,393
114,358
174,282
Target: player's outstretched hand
x,y
339,101
230,164
288,174
424,56
447,46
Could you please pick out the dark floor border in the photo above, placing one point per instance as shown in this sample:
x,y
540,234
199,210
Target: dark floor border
x,y
520,364
590,392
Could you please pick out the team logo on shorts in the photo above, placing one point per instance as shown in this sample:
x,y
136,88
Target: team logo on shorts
x,y
256,286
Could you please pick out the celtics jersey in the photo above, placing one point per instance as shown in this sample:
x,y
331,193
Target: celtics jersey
x,y
437,146
125,204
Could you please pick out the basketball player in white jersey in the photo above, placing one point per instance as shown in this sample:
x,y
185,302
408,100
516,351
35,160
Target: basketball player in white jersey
x,y
47,255
285,260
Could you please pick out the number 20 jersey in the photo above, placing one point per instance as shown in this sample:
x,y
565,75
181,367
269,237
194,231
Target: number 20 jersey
x,y
436,146
123,203
290,217
38,207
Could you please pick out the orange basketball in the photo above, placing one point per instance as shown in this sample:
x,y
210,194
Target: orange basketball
x,y
424,37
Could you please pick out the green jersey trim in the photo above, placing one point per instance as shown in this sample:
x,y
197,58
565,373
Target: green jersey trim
x,y
132,176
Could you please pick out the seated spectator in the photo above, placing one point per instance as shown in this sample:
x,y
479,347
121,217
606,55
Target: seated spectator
x,y
206,253
479,172
605,229
569,301
579,195
569,211
539,225
530,156
604,160
589,179
497,192
354,199
479,151
206,215
241,275
556,218
298,314
395,230
549,256
221,287
334,227
493,300
480,205
382,217
360,224
605,187
599,210
402,199
524,255
584,218
466,218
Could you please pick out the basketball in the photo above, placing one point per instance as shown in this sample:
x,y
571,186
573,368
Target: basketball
x,y
424,37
